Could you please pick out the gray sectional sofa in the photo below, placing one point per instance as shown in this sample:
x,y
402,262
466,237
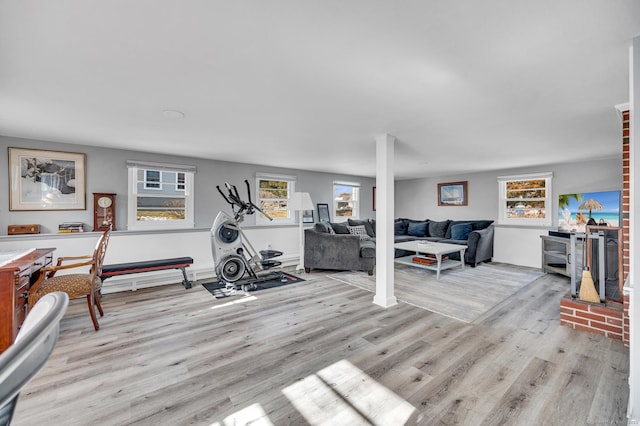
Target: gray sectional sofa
x,y
351,245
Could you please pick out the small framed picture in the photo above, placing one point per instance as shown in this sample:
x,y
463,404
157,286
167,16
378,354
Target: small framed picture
x,y
452,194
323,213
46,180
307,216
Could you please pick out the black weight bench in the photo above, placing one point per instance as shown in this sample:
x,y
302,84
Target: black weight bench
x,y
109,271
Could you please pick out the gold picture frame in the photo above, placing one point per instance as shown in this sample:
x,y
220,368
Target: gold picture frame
x,y
46,180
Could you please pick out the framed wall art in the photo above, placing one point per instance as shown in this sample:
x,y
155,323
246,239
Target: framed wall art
x,y
452,194
307,216
46,180
323,213
374,199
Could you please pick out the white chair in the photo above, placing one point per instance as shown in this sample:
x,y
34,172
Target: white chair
x,y
30,351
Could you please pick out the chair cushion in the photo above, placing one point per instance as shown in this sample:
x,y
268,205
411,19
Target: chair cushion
x,y
75,285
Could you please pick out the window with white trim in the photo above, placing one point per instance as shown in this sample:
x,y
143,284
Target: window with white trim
x,y
160,196
346,200
273,193
525,199
152,179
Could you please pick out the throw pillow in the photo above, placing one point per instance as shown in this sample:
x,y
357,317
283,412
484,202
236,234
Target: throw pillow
x,y
324,228
360,231
340,228
438,229
461,231
400,227
417,229
365,223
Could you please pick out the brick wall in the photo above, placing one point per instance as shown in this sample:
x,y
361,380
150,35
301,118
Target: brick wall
x,y
592,317
626,194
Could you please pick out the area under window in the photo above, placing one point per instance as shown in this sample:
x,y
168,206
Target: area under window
x,y
346,200
525,199
160,196
273,196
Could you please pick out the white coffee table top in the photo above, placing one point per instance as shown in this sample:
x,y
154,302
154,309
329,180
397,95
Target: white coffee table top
x,y
429,247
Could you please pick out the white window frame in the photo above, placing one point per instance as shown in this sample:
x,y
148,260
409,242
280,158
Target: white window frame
x,y
526,221
133,223
355,213
181,183
291,181
150,184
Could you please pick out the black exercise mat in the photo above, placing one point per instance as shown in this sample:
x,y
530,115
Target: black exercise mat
x,y
220,291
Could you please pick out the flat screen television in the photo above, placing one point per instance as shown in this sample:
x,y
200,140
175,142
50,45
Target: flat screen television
x,y
575,210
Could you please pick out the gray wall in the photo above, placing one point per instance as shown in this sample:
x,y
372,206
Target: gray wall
x,y
417,199
107,172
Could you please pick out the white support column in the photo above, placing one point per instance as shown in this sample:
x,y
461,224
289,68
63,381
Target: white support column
x,y
384,221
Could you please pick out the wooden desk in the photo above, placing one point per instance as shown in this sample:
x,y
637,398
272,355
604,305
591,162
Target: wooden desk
x,y
15,279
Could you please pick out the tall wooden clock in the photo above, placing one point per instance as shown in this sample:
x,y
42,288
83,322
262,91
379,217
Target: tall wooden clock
x,y
104,211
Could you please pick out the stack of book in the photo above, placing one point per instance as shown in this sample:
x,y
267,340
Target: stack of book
x,y
71,227
427,260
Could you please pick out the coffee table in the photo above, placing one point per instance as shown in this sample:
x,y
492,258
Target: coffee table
x,y
423,248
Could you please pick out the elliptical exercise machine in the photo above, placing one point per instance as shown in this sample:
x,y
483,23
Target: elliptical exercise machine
x,y
237,264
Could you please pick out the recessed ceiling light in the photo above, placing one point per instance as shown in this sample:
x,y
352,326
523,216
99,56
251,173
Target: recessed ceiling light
x,y
173,114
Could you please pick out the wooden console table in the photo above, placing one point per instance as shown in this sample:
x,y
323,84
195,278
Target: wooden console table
x,y
15,279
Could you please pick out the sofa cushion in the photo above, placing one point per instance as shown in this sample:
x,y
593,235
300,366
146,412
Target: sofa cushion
x,y
417,229
438,229
480,224
367,249
324,227
403,238
367,225
340,228
400,227
460,231
360,231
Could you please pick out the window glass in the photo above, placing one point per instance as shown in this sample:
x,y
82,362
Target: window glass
x,y
273,198
525,200
160,199
346,200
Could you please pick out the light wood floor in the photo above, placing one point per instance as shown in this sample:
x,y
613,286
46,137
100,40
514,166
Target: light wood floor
x,y
320,352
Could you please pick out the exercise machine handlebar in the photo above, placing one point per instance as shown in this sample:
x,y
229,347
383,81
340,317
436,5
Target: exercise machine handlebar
x,y
233,198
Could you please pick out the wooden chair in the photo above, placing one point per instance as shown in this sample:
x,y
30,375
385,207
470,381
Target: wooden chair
x,y
75,285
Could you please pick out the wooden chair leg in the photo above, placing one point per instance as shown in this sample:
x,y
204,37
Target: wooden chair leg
x,y
98,305
92,311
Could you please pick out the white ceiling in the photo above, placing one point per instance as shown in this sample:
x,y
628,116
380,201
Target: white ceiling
x,y
464,85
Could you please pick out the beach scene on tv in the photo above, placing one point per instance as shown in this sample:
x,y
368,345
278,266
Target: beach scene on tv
x,y
576,211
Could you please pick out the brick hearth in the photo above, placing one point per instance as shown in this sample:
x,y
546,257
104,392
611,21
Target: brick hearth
x,y
600,318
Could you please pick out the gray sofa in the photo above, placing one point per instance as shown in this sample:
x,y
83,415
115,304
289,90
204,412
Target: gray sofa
x,y
351,245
